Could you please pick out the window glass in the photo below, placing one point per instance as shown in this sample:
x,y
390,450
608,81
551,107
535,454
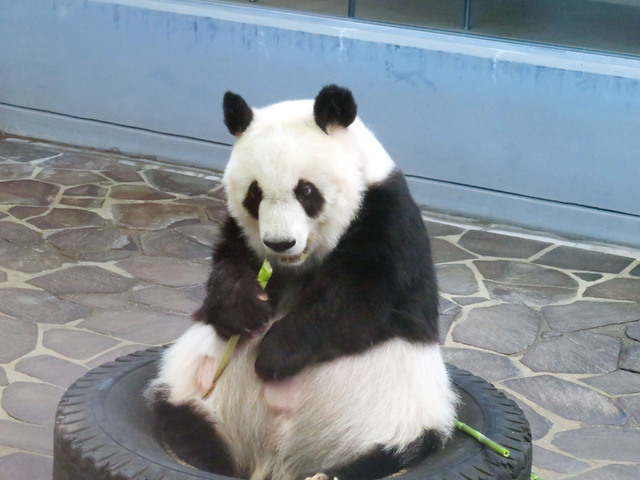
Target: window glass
x,y
601,25
442,14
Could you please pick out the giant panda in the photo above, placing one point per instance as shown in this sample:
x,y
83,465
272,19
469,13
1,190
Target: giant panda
x,y
338,372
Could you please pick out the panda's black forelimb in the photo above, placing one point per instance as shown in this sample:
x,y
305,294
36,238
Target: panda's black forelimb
x,y
234,303
377,284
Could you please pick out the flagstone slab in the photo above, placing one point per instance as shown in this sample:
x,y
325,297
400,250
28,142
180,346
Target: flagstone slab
x,y
15,172
81,161
464,301
609,472
88,190
122,173
445,252
26,466
635,272
532,296
141,326
456,279
590,314
178,183
61,217
83,279
631,405
490,366
503,246
633,331
29,259
448,307
526,284
19,234
137,192
220,194
115,353
436,229
539,425
69,177
217,214
3,377
619,382
167,243
522,273
205,233
616,288
100,300
3,276
77,344
600,443
630,358
557,462
31,402
24,151
51,369
166,298
578,259
444,325
167,271
27,192
39,307
22,212
94,203
17,338
502,328
581,352
588,276
94,244
206,202
152,216
569,400
23,436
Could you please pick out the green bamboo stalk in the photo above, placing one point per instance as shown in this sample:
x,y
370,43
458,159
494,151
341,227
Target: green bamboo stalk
x,y
482,439
263,277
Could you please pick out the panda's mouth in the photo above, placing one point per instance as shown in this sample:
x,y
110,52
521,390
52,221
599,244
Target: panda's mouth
x,y
294,259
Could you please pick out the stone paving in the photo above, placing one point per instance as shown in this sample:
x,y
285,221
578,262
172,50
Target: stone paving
x,y
102,255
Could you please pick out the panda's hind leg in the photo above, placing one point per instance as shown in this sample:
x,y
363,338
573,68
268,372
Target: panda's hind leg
x,y
192,437
383,462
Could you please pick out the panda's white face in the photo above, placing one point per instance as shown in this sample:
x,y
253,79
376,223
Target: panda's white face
x,y
293,188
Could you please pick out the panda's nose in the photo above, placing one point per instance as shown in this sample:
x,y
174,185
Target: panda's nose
x,y
280,247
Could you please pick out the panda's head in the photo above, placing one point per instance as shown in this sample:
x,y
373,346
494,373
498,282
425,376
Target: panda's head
x,y
298,172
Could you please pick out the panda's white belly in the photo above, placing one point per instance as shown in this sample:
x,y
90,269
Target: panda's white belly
x,y
327,415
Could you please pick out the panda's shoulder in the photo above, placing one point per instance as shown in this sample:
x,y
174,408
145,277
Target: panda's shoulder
x,y
390,200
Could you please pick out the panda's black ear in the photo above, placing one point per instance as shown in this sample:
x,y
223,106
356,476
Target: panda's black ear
x,y
237,114
334,105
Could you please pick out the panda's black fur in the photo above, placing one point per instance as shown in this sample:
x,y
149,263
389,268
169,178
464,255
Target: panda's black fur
x,y
375,285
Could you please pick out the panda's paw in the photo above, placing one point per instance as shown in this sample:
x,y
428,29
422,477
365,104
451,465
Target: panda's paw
x,y
236,308
281,354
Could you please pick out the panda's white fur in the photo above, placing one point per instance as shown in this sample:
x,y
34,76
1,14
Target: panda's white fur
x,y
327,415
333,412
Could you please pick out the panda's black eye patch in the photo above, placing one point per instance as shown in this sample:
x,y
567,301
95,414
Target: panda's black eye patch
x,y
309,197
252,199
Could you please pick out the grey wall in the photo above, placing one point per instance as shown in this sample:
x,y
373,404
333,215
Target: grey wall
x,y
520,134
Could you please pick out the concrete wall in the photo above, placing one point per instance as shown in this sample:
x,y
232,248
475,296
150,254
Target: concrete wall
x,y
528,135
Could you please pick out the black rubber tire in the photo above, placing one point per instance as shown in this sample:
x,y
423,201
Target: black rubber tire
x,y
104,431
